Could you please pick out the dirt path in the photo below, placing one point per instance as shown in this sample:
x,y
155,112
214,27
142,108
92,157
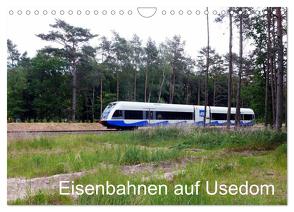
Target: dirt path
x,y
19,188
167,169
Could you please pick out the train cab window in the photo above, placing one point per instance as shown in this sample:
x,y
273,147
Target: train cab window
x,y
118,114
133,114
248,117
107,110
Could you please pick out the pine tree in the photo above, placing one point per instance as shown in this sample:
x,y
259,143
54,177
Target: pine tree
x,y
279,104
71,39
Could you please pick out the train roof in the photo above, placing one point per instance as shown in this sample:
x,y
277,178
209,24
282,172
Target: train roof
x,y
148,105
233,110
164,106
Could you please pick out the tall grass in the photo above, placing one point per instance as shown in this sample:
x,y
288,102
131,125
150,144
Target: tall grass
x,y
230,169
181,137
136,155
68,153
106,153
57,160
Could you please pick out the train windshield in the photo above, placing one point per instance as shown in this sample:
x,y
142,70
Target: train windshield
x,y
107,110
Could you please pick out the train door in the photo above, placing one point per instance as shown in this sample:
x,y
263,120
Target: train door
x,y
150,116
199,115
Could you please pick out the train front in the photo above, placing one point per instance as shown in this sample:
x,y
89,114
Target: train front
x,y
105,115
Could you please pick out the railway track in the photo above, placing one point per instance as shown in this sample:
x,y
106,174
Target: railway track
x,y
21,134
59,131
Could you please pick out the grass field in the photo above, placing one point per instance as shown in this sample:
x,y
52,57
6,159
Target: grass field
x,y
156,156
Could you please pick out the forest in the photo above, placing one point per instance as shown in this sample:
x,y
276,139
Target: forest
x,y
75,81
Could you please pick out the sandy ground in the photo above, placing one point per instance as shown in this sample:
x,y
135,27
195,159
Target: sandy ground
x,y
16,131
20,188
26,136
19,127
11,127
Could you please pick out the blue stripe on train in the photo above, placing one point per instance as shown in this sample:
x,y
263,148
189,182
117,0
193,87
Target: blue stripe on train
x,y
217,123
162,123
121,123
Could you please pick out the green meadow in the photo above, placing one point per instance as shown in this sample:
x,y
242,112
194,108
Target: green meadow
x,y
187,154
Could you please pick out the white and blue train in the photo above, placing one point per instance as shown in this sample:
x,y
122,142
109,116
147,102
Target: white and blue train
x,y
130,115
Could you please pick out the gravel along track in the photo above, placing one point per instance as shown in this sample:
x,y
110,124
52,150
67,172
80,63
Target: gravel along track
x,y
32,130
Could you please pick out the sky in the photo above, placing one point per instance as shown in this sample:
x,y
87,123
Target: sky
x,y
165,23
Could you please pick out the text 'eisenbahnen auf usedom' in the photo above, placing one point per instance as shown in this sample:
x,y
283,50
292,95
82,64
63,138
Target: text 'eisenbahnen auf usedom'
x,y
210,188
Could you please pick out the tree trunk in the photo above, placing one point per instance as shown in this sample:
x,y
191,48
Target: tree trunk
x,y
273,72
146,83
74,93
93,103
269,64
101,96
285,99
199,91
135,84
266,96
206,73
214,92
238,100
230,72
279,106
187,94
161,86
117,85
172,86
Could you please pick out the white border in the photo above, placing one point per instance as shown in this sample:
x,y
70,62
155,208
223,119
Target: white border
x,y
132,3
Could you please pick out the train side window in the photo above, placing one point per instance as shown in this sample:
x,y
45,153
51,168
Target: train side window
x,y
118,114
248,117
159,116
133,114
184,115
149,114
221,116
218,116
170,115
